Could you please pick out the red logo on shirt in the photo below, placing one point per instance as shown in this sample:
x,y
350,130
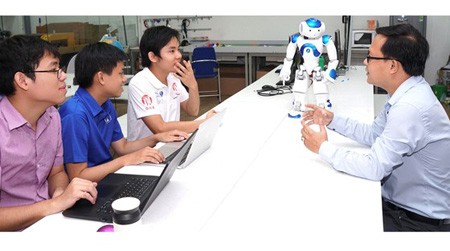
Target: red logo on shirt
x,y
175,89
147,102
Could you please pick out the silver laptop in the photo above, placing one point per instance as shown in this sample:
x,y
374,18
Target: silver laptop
x,y
202,141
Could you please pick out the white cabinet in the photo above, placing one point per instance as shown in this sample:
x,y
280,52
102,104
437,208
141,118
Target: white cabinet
x,y
358,55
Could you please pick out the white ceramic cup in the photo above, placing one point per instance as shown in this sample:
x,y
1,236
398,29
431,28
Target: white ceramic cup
x,y
126,214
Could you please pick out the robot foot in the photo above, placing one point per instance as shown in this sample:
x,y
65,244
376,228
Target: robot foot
x,y
326,105
295,114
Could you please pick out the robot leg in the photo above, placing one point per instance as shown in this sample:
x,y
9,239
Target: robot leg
x,y
299,89
320,88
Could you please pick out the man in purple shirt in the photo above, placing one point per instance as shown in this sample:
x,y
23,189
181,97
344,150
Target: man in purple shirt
x,y
33,183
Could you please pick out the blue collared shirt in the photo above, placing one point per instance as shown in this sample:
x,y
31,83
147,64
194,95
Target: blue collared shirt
x,y
88,129
410,150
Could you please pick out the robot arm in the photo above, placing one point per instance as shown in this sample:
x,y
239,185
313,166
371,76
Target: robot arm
x,y
330,73
290,53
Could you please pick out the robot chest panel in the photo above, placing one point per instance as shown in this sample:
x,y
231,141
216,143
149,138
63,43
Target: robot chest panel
x,y
310,48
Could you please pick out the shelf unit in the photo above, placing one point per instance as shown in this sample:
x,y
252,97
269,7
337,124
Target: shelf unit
x,y
149,22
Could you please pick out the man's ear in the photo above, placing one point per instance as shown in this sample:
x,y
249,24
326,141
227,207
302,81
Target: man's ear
x,y
99,77
21,81
152,57
395,66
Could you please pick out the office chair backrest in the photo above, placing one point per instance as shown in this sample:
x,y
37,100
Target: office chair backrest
x,y
204,62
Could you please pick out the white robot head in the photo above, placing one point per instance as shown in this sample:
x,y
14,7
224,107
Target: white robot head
x,y
312,28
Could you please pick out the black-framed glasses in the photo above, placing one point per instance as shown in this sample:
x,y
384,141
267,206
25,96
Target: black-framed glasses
x,y
58,71
368,58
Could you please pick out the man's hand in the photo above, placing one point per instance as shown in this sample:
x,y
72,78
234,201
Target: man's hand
x,y
318,115
77,189
185,73
170,136
312,139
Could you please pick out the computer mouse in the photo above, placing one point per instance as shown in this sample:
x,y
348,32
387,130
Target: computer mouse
x,y
268,87
106,228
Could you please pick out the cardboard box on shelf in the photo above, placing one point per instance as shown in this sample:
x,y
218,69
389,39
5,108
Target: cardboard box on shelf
x,y
84,32
65,39
232,69
230,85
232,80
207,84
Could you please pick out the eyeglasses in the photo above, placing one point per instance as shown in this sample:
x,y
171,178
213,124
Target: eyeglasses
x,y
368,58
58,71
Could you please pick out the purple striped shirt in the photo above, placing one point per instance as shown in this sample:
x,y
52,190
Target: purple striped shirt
x,y
27,156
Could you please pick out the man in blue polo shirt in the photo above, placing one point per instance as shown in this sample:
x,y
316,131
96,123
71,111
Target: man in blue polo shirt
x,y
89,120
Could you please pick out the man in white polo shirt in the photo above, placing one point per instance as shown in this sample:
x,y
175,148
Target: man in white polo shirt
x,y
155,94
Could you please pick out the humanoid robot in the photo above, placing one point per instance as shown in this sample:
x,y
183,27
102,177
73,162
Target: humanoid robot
x,y
310,42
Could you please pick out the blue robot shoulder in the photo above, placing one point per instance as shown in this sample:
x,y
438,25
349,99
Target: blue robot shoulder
x,y
326,39
294,38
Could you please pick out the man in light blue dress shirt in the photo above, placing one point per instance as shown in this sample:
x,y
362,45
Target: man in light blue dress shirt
x,y
409,139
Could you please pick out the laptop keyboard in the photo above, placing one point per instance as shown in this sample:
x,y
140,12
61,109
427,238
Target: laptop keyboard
x,y
135,187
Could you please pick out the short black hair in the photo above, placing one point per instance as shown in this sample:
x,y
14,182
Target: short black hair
x,y
153,40
94,58
407,45
21,53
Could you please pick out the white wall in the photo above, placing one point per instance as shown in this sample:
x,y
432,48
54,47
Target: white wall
x,y
261,28
249,27
360,22
265,27
280,27
13,24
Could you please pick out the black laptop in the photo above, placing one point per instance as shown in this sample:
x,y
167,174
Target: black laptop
x,y
144,187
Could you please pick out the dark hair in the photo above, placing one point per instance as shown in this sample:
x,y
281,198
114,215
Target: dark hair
x,y
153,40
407,45
94,58
21,53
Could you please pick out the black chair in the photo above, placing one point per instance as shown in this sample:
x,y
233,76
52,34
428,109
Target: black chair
x,y
205,65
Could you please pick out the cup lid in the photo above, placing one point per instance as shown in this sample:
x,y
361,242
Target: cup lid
x,y
125,204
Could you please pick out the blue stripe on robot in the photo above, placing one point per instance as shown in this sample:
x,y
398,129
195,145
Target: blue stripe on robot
x,y
313,23
326,39
307,47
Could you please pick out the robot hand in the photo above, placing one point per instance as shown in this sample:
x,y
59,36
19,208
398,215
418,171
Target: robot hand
x,y
285,73
330,75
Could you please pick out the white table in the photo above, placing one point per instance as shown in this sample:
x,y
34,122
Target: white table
x,y
258,186
288,187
